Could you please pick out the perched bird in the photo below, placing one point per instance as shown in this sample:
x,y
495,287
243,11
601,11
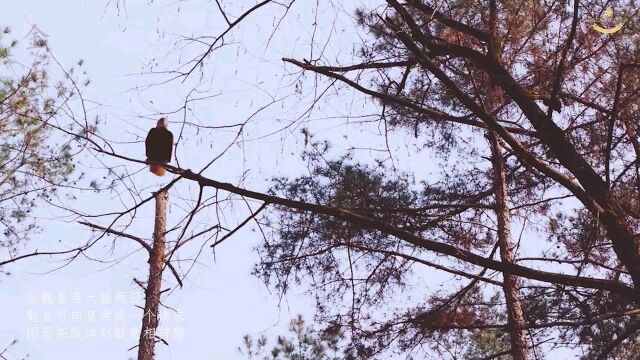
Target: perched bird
x,y
159,145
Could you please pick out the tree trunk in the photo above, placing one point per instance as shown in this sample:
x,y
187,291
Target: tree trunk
x,y
516,321
147,340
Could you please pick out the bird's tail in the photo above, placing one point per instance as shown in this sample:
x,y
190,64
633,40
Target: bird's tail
x,y
157,169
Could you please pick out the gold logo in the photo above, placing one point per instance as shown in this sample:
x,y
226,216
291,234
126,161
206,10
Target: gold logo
x,y
608,14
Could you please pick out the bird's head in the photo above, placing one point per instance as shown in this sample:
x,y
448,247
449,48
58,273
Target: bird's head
x,y
162,123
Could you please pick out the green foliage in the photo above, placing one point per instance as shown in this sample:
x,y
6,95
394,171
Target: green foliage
x,y
302,343
327,253
36,150
360,275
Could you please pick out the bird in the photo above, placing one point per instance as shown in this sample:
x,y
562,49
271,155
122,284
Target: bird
x,y
159,145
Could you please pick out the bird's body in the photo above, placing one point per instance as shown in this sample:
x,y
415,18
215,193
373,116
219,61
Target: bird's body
x,y
159,145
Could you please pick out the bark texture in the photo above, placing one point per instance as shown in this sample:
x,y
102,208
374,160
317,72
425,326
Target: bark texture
x,y
516,322
147,340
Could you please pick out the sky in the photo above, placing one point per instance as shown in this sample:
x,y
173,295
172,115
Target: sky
x,y
86,309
